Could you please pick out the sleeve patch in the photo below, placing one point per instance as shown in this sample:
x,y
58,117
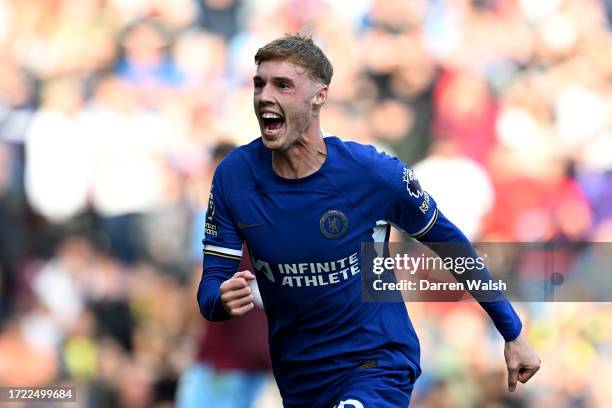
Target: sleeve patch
x,y
210,227
412,184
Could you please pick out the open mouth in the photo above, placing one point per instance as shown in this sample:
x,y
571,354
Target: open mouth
x,y
272,123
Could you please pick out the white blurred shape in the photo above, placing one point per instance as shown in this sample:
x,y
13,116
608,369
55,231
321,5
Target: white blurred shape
x,y
128,168
537,9
5,21
580,113
461,188
58,165
355,13
516,128
559,31
56,289
41,331
597,153
527,140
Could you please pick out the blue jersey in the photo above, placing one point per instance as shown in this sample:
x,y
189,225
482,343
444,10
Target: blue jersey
x,y
304,236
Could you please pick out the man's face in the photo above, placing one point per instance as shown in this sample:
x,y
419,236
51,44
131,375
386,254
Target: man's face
x,y
286,100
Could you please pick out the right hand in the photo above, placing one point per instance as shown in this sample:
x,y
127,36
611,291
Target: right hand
x,y
236,294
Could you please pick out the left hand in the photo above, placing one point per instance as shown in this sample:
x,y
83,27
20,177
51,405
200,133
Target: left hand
x,y
522,361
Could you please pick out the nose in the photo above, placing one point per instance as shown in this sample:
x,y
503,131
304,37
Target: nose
x,y
265,95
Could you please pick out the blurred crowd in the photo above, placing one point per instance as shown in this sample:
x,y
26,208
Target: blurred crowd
x,y
113,114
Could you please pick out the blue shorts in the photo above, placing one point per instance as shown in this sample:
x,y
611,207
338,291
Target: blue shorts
x,y
378,388
384,379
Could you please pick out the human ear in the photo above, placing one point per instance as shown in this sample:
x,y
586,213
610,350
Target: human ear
x,y
320,96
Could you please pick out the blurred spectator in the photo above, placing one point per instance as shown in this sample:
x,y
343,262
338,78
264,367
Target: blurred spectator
x,y
219,16
146,61
166,228
206,67
58,284
16,100
465,113
129,145
58,155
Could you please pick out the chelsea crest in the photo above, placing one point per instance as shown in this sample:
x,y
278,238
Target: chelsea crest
x,y
333,224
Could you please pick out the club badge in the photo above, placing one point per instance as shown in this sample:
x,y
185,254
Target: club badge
x,y
333,224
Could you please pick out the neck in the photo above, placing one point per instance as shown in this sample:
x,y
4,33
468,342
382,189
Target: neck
x,y
303,158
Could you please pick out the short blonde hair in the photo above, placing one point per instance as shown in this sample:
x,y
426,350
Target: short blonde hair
x,y
300,50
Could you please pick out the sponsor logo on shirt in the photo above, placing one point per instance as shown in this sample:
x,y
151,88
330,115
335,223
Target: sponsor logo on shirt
x,y
309,274
210,212
210,228
424,207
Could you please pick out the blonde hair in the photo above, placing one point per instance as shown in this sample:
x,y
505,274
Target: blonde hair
x,y
300,50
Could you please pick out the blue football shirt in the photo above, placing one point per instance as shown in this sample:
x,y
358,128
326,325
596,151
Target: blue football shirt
x,y
304,236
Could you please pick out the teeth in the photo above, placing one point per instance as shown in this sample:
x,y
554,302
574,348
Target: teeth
x,y
270,115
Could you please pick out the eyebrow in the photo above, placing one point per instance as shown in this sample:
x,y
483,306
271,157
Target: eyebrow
x,y
275,79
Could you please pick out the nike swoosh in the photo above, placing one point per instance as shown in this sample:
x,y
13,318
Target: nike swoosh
x,y
244,226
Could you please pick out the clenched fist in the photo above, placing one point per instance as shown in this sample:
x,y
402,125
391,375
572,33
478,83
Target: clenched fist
x,y
236,294
522,361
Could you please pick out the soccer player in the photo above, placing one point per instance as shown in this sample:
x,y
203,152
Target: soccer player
x,y
304,203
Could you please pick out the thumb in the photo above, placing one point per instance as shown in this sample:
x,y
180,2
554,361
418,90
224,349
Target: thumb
x,y
246,274
512,378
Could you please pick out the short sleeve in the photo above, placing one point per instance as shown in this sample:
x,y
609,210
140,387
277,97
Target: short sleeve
x,y
221,237
410,207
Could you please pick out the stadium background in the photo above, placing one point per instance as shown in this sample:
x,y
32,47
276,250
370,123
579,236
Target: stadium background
x,y
110,111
